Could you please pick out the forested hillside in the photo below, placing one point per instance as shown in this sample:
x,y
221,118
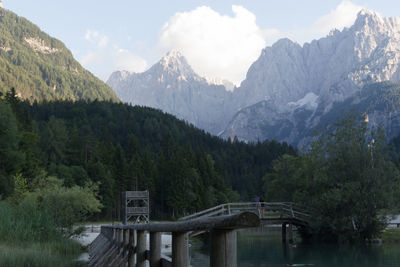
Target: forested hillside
x,y
127,148
41,67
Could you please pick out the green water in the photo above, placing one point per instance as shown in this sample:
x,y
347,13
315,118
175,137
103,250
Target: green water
x,y
267,250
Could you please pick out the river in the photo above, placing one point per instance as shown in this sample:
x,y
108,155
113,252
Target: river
x,y
265,249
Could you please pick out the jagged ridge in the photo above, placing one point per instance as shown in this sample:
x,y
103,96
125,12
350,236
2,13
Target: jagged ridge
x,y
172,86
332,69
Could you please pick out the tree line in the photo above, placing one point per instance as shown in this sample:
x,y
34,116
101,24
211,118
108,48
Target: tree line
x,y
348,180
121,147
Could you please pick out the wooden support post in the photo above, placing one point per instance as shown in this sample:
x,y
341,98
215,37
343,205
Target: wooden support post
x,y
121,239
290,233
223,248
125,249
108,246
155,249
180,249
126,241
120,248
114,251
283,232
141,249
132,248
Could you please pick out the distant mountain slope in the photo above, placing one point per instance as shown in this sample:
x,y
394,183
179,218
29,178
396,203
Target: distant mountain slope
x,y
380,102
41,67
287,91
172,86
333,68
291,89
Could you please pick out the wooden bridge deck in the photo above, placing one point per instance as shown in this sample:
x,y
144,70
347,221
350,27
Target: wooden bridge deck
x,y
285,214
125,245
268,212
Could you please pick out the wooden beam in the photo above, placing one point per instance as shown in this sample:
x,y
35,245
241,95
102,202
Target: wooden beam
x,y
141,249
180,249
155,249
229,222
132,247
223,248
290,233
283,232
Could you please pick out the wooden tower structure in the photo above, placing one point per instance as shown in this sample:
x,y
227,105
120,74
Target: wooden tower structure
x,y
135,206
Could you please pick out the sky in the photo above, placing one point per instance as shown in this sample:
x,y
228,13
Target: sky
x,y
219,38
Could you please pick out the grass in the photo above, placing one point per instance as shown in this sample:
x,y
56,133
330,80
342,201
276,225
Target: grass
x,y
391,235
40,254
29,237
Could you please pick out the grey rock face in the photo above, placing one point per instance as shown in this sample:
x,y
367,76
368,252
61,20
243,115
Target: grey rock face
x,y
331,69
289,91
172,86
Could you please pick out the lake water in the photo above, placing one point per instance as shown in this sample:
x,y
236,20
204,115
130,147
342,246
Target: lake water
x,y
265,249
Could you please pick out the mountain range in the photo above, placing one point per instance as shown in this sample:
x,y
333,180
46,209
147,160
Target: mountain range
x,y
172,86
288,90
41,67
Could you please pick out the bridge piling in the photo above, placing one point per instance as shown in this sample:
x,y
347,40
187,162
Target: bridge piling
x,y
141,249
155,249
125,245
283,232
223,248
132,247
180,249
290,233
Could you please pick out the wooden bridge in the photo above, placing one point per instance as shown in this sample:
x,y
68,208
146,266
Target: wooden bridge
x,y
286,214
125,245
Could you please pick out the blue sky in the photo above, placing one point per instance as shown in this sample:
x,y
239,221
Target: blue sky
x,y
220,38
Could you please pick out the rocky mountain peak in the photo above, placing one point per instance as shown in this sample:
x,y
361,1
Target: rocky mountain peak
x,y
304,83
174,63
367,19
364,14
285,43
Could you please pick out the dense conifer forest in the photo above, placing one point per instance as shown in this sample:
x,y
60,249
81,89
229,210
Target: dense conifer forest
x,y
122,147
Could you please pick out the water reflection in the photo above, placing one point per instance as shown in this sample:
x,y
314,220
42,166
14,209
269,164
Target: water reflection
x,y
265,249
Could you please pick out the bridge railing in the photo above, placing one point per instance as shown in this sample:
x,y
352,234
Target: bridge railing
x,y
125,245
262,209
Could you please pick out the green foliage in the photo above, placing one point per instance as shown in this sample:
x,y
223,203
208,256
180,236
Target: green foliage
x,y
121,148
29,237
66,205
21,188
26,223
39,75
9,154
346,179
61,254
391,235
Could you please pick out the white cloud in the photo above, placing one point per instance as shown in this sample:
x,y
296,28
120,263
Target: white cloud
x,y
216,45
96,38
126,60
104,58
342,16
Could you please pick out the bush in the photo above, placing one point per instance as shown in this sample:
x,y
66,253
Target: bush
x,y
65,205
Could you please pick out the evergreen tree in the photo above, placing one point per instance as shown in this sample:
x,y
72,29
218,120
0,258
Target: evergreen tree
x,y
10,156
347,180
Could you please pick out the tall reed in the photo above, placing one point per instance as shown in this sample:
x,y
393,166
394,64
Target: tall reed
x,y
29,237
